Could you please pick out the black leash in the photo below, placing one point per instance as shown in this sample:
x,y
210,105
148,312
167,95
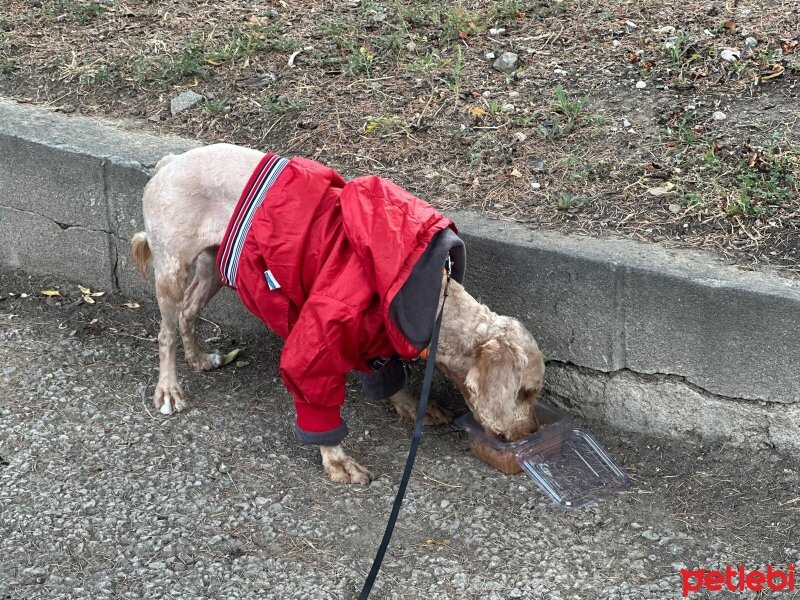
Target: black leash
x,y
412,451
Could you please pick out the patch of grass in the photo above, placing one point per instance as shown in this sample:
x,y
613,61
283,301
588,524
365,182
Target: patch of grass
x,y
744,207
215,107
279,104
459,22
7,66
359,61
680,51
565,201
570,112
686,130
84,69
79,12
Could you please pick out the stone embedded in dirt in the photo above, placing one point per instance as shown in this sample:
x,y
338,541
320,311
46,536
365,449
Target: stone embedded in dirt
x,y
718,115
674,208
497,30
626,123
535,185
260,80
750,42
729,55
520,137
506,62
490,55
154,118
184,101
507,107
640,85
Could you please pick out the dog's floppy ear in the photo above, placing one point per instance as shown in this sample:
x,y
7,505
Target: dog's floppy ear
x,y
499,363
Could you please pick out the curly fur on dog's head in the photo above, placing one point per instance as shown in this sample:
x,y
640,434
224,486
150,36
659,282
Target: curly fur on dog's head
x,y
496,364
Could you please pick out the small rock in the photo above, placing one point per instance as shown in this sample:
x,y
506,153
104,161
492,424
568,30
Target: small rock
x,y
498,206
666,29
507,108
411,46
184,101
560,72
242,363
260,80
535,185
67,109
719,115
487,94
154,118
674,209
490,55
630,25
513,94
650,535
616,43
750,42
729,55
520,137
497,30
261,501
506,63
626,123
640,85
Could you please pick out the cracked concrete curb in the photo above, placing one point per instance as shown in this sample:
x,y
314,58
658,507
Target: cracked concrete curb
x,y
647,338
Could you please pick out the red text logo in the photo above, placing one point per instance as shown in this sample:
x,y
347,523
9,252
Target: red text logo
x,y
738,580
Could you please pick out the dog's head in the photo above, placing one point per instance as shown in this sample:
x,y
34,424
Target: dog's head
x,y
504,380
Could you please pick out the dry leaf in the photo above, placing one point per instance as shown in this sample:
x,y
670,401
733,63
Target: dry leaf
x,y
772,73
96,294
729,25
131,305
515,173
438,542
48,293
84,290
477,111
88,299
663,190
231,356
93,321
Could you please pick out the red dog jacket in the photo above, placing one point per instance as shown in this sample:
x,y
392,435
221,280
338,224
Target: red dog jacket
x,y
344,272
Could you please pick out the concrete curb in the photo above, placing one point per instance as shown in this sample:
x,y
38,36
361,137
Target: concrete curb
x,y
648,338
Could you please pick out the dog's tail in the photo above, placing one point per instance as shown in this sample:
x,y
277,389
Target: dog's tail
x,y
140,252
161,163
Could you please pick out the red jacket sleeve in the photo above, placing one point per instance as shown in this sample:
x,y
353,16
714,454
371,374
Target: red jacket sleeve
x,y
319,352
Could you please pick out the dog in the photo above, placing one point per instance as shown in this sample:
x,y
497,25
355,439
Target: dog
x,y
188,207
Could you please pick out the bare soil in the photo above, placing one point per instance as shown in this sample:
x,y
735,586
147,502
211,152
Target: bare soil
x,y
662,121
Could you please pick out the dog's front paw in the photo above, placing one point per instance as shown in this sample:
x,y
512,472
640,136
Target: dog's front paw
x,y
169,398
437,415
406,407
341,468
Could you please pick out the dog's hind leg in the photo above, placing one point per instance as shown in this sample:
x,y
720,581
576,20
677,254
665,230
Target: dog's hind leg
x,y
170,288
205,284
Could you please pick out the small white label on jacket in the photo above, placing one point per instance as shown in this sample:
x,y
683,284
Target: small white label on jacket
x,y
271,281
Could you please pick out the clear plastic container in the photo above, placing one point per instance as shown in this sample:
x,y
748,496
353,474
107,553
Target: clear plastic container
x,y
567,463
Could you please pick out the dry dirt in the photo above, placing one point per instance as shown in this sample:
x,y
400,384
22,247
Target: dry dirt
x,y
678,122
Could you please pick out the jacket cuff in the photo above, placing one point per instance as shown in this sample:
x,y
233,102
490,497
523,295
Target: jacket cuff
x,y
321,425
388,380
333,437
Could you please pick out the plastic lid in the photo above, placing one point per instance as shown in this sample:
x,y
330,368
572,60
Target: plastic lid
x,y
569,465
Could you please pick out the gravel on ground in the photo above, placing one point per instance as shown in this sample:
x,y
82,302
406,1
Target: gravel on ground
x,y
102,497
